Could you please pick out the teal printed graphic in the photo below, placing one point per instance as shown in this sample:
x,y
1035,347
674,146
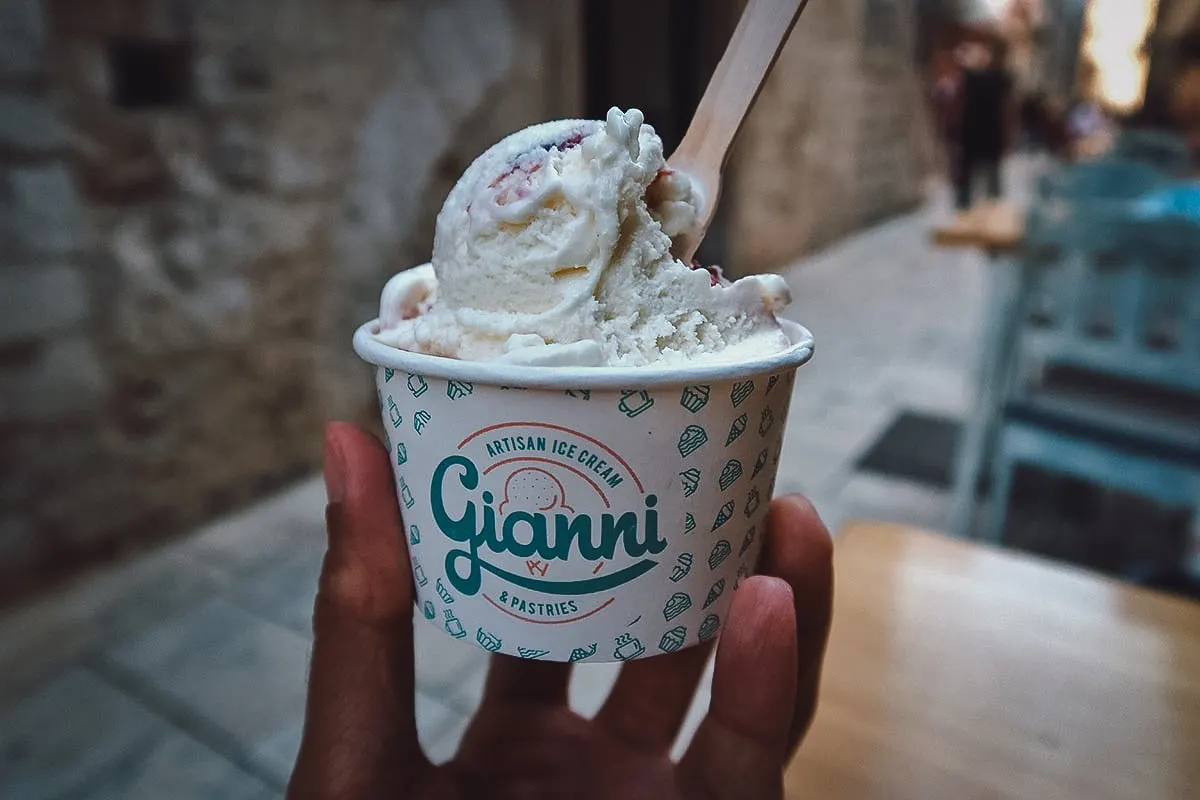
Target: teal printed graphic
x,y
730,473
720,552
460,520
766,421
529,652
691,481
406,494
673,639
689,522
742,572
414,534
676,605
736,429
582,394
487,640
691,440
723,516
740,392
716,591
419,573
454,625
634,402
420,420
694,398
417,385
430,613
394,413
752,502
457,390
759,463
749,540
708,628
388,374
580,653
443,592
387,441
683,565
771,382
628,646
401,454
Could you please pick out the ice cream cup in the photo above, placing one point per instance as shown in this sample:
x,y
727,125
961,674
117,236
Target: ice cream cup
x,y
582,513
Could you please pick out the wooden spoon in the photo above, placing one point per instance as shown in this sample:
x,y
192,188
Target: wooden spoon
x,y
756,42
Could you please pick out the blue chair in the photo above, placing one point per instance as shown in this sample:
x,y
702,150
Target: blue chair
x,y
1104,380
1164,151
1099,181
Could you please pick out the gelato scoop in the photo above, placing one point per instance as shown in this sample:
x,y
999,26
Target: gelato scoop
x,y
554,249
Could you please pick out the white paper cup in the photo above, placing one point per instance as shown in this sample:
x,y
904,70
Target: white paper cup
x,y
582,513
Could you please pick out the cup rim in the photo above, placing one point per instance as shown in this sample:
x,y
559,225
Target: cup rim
x,y
374,352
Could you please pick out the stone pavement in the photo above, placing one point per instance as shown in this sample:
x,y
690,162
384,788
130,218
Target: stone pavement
x,y
181,674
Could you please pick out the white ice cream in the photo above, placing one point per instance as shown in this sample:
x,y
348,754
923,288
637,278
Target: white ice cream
x,y
554,248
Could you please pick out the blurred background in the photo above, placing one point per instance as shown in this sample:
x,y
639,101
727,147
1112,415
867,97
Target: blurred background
x,y
985,209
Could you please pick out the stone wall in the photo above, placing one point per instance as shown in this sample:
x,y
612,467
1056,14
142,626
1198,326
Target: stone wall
x,y
198,202
839,137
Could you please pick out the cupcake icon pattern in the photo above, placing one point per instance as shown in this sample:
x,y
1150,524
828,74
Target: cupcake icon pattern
x,y
711,502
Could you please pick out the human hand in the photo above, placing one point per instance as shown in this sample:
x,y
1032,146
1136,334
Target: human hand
x,y
360,732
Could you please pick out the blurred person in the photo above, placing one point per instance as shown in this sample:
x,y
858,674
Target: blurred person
x,y
360,731
946,95
987,118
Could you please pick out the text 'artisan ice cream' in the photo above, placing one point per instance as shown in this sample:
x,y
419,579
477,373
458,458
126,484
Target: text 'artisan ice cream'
x,y
554,249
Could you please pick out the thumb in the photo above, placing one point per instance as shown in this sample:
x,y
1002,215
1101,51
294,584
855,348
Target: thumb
x,y
360,737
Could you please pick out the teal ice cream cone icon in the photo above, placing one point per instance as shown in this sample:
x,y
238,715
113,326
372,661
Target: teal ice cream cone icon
x,y
429,611
401,454
747,541
759,463
388,374
689,522
414,534
736,430
723,515
716,591
709,627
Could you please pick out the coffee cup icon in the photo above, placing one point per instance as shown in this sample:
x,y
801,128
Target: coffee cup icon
x,y
634,402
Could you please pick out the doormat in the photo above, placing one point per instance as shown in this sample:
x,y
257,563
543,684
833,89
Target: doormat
x,y
916,446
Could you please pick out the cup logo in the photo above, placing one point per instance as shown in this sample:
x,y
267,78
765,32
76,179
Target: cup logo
x,y
547,522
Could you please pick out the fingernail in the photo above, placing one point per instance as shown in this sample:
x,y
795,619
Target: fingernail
x,y
335,469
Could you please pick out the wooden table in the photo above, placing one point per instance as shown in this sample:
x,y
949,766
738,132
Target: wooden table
x,y
997,228
956,671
